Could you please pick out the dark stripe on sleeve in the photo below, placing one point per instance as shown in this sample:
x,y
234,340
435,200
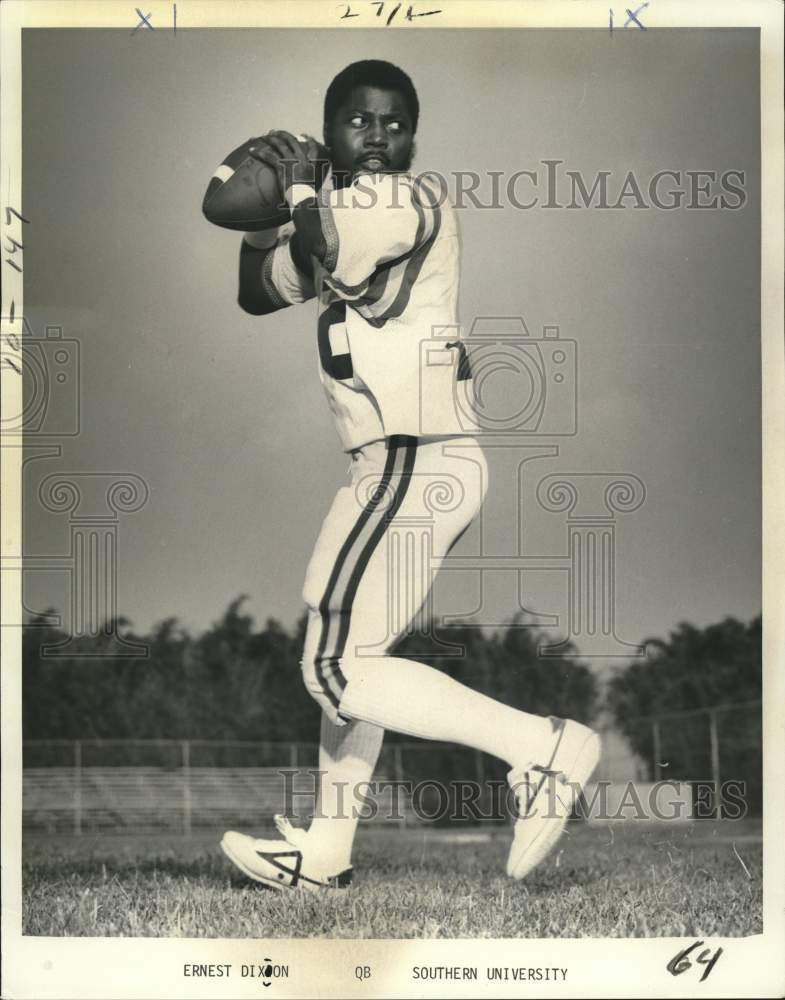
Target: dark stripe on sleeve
x,y
412,272
415,260
268,285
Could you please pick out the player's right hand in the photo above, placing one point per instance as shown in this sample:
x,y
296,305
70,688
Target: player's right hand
x,y
296,160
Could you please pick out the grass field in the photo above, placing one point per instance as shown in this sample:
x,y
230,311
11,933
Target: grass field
x,y
625,880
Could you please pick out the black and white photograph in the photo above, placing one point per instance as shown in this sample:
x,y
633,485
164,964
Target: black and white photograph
x,y
393,412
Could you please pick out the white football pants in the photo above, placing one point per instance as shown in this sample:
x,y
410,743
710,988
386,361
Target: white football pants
x,y
408,502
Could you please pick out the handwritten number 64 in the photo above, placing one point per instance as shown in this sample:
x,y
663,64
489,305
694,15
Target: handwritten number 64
x,y
680,963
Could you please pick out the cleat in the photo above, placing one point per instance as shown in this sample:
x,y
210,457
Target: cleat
x,y
546,793
278,864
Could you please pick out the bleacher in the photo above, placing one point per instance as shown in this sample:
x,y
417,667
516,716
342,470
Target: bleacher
x,y
57,797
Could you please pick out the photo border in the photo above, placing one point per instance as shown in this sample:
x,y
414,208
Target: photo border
x,y
132,967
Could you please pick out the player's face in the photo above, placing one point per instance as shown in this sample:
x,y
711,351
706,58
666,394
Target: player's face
x,y
370,133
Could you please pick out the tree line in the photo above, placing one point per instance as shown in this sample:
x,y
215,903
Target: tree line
x,y
236,681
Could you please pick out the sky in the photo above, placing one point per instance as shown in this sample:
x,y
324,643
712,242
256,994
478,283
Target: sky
x,y
222,414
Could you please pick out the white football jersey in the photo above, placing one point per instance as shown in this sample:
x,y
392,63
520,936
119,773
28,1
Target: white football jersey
x,y
386,276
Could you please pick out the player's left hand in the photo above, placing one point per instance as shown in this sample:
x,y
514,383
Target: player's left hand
x,y
296,162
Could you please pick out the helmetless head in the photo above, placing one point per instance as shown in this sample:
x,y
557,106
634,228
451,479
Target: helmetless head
x,y
370,118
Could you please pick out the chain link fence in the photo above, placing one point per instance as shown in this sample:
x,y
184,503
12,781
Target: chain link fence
x,y
719,748
130,785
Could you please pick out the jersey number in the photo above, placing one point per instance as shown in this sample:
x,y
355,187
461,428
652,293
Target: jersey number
x,y
334,342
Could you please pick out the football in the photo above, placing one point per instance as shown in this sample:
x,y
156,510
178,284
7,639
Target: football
x,y
244,193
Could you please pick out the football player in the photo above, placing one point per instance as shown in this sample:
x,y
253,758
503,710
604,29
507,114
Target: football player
x,y
378,250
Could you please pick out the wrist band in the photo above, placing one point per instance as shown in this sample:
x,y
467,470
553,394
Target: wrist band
x,y
298,192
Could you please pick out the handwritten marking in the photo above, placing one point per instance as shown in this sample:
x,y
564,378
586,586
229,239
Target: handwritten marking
x,y
12,211
680,962
15,246
633,16
15,345
144,20
410,14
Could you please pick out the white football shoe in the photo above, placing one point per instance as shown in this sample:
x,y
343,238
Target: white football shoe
x,y
545,793
279,863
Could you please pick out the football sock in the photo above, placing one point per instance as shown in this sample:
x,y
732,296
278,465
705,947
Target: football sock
x,y
412,698
347,757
